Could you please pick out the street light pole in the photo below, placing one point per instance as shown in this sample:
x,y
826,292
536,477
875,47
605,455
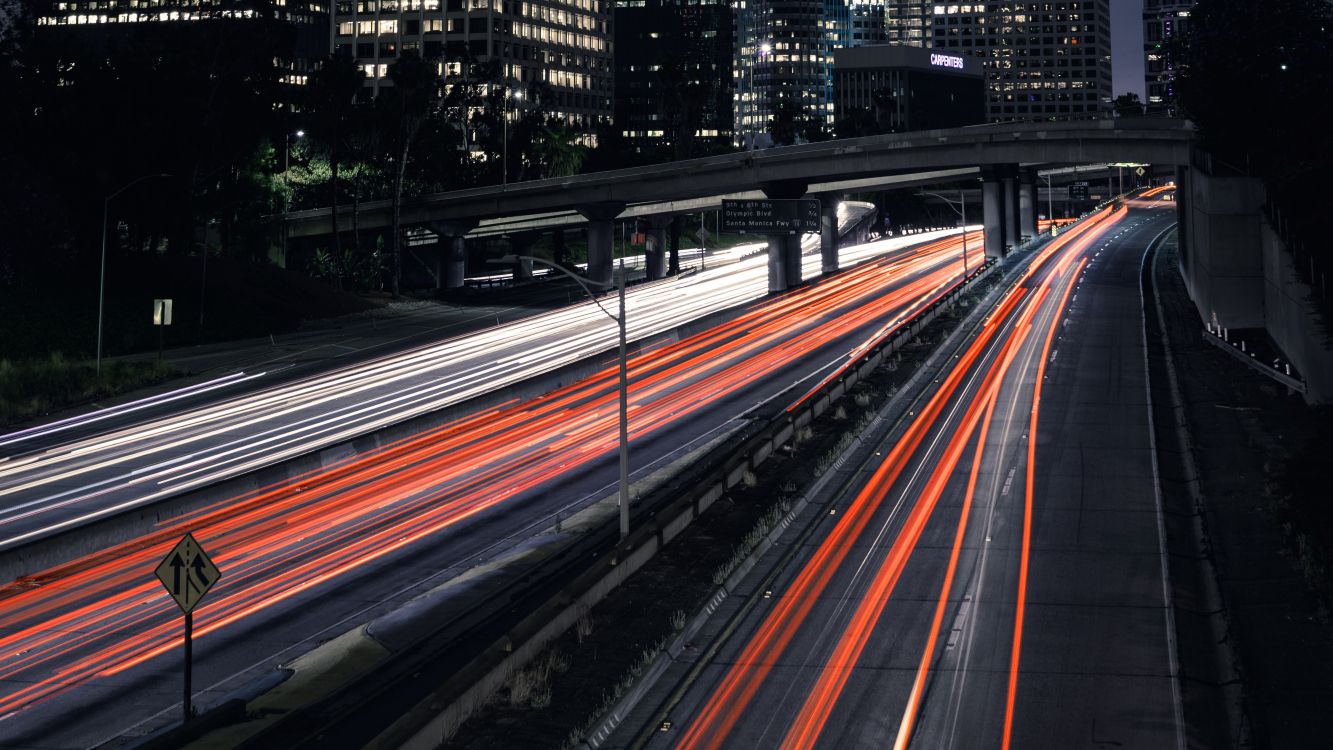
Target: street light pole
x,y
1050,203
287,149
962,216
101,284
624,368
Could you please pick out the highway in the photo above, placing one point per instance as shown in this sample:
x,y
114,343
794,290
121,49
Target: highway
x,y
91,649
992,576
50,484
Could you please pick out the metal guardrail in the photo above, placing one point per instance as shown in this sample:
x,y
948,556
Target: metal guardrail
x,y
1237,351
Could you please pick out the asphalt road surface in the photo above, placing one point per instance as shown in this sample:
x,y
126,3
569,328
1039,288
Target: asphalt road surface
x,y
994,576
93,648
66,484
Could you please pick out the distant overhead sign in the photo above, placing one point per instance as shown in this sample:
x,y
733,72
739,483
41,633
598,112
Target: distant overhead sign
x,y
187,573
770,216
1078,191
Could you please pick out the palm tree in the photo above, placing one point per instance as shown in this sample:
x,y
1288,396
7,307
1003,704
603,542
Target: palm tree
x,y
558,149
333,93
407,105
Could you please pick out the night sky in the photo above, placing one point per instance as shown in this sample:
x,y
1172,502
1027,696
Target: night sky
x,y
1127,47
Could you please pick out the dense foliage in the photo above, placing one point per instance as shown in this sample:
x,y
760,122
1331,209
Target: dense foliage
x,y
1255,77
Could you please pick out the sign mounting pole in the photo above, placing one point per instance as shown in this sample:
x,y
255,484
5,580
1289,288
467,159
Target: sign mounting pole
x,y
189,662
187,574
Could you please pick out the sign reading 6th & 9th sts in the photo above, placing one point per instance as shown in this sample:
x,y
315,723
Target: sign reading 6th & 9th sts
x,y
770,216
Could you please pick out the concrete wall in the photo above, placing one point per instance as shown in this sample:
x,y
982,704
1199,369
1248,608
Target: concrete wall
x,y
1291,321
1240,274
1223,265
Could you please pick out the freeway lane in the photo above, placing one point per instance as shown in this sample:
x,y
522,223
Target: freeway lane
x,y
97,639
68,485
974,587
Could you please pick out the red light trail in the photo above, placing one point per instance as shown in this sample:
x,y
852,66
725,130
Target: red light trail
x,y
103,614
1042,291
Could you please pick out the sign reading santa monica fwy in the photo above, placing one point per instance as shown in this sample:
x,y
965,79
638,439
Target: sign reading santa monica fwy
x,y
771,216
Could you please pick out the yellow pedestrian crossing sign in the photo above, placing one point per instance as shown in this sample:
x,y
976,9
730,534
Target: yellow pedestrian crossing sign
x,y
187,573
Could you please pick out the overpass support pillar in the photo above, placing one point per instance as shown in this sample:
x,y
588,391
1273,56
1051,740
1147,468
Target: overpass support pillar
x,y
654,250
558,248
601,239
1184,222
784,262
992,209
1012,216
784,250
520,243
673,246
828,232
1027,203
453,250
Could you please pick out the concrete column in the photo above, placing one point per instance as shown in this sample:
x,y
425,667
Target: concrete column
x,y
520,243
777,263
1012,216
828,232
992,210
558,248
784,250
673,246
452,266
1183,236
793,264
1027,202
601,239
654,249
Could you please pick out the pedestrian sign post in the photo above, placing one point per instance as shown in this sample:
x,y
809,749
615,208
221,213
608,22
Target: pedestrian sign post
x,y
187,574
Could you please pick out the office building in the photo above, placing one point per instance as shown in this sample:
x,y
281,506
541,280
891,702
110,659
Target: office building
x,y
92,24
564,43
1044,61
673,83
784,53
907,88
1164,23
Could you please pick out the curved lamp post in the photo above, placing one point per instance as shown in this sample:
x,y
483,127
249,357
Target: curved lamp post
x,y
962,216
624,369
101,286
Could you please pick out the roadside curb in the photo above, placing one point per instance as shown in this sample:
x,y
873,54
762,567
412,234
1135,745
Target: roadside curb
x,y
1209,679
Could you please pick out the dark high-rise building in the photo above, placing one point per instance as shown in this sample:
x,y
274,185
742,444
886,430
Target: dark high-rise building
x,y
94,23
564,43
1164,22
906,88
673,79
1044,60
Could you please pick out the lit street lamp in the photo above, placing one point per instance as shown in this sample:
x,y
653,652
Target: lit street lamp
x,y
101,285
287,148
962,216
624,369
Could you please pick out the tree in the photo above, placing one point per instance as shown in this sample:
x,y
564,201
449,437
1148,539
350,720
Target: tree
x,y
558,150
1128,105
333,90
856,123
786,122
406,106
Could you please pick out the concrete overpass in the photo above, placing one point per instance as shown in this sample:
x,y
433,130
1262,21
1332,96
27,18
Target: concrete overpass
x,y
1004,155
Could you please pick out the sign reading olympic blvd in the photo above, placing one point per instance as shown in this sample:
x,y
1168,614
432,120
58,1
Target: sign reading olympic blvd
x,y
946,61
770,216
